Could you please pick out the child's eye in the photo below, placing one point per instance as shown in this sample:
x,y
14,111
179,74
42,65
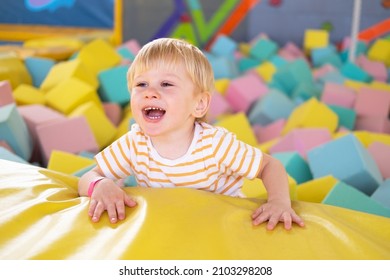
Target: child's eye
x,y
141,84
166,84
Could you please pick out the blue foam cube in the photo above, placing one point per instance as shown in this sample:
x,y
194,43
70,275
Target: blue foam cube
x,y
113,85
347,117
14,131
38,68
347,160
382,194
295,165
223,46
346,196
271,107
263,49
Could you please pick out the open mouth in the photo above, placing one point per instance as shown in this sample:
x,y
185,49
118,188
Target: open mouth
x,y
153,113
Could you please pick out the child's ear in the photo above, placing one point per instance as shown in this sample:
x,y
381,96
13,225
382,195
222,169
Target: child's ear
x,y
202,105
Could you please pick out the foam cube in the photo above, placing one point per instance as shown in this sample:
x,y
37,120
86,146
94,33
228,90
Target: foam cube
x,y
218,107
315,39
14,70
323,70
102,128
223,67
266,70
312,114
315,190
273,106
244,91
132,45
347,117
381,155
28,94
304,91
346,196
223,46
380,51
8,155
263,49
326,55
247,63
270,131
382,194
71,135
373,124
65,70
239,124
377,69
354,72
295,165
6,96
126,54
302,140
101,49
36,115
338,94
291,74
14,131
291,51
372,102
221,85
113,85
114,112
67,163
38,67
69,94
346,159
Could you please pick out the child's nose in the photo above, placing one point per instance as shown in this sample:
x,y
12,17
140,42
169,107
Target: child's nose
x,y
151,93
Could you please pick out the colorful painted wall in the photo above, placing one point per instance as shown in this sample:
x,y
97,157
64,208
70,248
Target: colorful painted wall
x,y
282,20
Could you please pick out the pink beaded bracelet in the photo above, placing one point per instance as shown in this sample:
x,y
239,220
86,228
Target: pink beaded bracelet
x,y
93,184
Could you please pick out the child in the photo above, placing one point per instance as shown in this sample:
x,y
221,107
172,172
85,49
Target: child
x,y
170,145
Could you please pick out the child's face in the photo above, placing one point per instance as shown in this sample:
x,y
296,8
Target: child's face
x,y
163,100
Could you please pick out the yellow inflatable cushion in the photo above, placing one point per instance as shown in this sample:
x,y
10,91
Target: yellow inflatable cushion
x,y
42,217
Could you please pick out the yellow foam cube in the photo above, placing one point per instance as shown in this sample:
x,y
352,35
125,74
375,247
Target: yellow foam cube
x,y
99,55
71,93
315,39
13,69
367,138
239,124
380,51
244,48
266,70
66,162
380,85
101,126
311,114
28,94
255,188
315,190
67,69
355,85
124,125
265,146
221,85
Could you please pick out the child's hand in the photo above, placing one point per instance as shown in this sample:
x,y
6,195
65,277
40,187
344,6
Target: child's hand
x,y
109,196
274,212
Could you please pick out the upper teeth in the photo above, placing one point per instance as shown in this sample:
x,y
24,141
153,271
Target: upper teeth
x,y
153,108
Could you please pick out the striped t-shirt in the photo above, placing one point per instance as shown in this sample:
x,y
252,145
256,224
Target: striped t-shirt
x,y
216,161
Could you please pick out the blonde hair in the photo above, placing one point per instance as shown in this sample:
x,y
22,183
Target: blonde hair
x,y
170,52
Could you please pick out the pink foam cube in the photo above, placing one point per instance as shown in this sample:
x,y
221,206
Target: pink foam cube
x,y
218,106
381,154
340,95
244,90
132,45
6,96
270,131
113,112
36,115
71,135
302,140
323,70
377,124
372,102
377,69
